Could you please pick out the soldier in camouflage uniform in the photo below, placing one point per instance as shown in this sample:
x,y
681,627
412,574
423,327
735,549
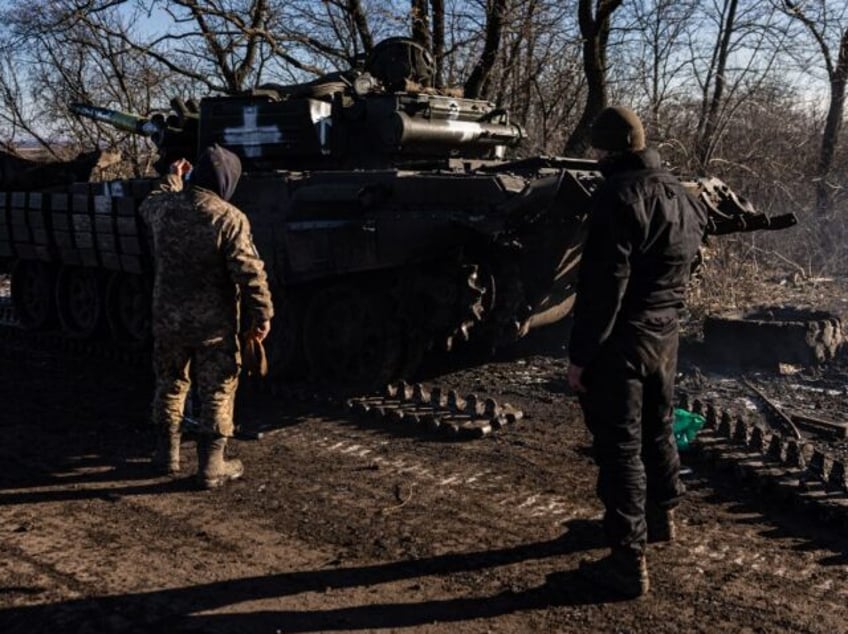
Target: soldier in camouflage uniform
x,y
205,265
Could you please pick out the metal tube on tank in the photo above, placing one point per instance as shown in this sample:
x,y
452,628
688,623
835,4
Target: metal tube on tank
x,y
410,133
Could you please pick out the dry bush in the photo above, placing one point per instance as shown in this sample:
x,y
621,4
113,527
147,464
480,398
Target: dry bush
x,y
818,245
735,273
723,279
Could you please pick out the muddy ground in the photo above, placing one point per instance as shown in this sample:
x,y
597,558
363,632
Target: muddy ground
x,y
342,525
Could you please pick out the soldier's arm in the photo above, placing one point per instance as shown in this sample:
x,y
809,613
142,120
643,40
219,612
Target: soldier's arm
x,y
246,268
171,182
603,278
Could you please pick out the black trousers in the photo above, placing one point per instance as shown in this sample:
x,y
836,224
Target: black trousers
x,y
628,408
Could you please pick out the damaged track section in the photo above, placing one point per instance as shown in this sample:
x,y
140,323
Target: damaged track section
x,y
434,411
782,469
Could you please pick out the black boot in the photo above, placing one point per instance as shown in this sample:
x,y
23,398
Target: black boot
x,y
661,526
624,571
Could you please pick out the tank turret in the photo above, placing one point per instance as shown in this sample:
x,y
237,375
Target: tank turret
x,y
382,117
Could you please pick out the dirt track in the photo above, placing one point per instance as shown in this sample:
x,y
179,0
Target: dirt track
x,y
340,525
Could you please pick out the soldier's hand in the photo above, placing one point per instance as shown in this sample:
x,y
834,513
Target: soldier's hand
x,y
575,378
260,330
180,167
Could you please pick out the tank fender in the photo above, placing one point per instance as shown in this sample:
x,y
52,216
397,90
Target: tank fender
x,y
565,194
547,223
534,200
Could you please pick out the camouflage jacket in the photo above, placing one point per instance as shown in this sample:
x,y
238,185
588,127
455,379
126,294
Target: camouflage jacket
x,y
205,261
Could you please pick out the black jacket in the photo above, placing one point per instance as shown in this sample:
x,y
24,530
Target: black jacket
x,y
644,233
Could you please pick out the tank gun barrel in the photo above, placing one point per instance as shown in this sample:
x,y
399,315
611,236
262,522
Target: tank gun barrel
x,y
121,120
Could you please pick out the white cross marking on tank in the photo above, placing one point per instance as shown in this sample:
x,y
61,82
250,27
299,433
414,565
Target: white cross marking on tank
x,y
251,136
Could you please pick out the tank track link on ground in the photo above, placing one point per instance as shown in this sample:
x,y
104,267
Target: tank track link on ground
x,y
416,410
435,411
784,471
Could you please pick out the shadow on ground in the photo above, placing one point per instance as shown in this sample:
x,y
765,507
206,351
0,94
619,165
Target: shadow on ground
x,y
178,610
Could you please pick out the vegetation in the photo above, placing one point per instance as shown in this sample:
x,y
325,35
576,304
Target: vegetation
x,y
750,91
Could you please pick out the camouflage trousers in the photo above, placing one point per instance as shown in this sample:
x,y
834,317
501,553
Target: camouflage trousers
x,y
212,366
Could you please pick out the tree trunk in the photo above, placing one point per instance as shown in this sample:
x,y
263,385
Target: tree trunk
x,y
595,33
438,36
474,86
357,15
838,75
832,129
421,22
708,123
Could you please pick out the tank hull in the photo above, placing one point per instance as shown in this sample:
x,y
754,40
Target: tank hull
x,y
370,269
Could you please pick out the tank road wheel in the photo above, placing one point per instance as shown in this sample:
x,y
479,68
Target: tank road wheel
x,y
128,305
351,338
32,293
80,300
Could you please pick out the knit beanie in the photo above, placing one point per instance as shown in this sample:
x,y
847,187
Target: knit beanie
x,y
217,170
618,129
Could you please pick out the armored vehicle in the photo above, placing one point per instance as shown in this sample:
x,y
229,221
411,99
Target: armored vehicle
x,y
389,220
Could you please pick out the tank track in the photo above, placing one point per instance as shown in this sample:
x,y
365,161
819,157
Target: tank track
x,y
19,340
311,331
435,411
783,471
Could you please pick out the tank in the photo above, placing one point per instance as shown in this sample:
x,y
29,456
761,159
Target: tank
x,y
390,222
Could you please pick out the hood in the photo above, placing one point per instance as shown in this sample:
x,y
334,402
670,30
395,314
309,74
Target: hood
x,y
629,162
217,170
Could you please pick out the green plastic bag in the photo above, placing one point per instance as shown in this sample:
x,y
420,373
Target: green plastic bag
x,y
686,427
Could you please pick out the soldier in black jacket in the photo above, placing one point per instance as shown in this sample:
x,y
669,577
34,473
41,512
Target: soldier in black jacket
x,y
644,233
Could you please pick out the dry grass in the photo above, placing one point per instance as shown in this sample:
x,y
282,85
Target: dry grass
x,y
727,279
738,275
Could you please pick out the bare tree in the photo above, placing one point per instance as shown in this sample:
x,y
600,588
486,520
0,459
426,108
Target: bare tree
x,y
476,83
90,50
420,17
438,46
79,63
714,90
655,53
595,30
535,76
360,22
828,26
732,52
